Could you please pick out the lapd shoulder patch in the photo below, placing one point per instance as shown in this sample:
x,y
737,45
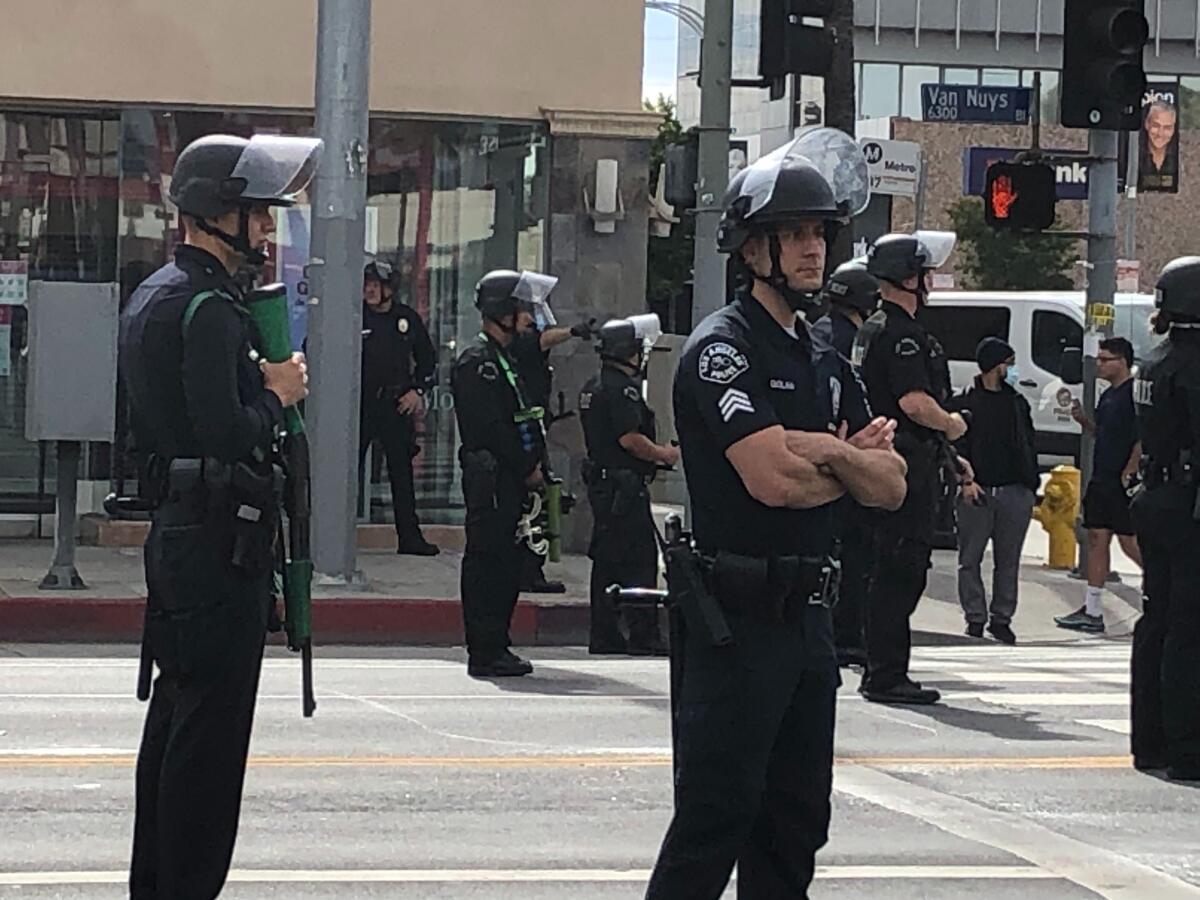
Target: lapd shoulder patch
x,y
487,370
631,393
721,363
908,347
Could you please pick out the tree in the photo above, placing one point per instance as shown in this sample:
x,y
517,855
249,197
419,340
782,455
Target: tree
x,y
669,260
997,260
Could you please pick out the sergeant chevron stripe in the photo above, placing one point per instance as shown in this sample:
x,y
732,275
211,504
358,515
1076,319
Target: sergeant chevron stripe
x,y
733,402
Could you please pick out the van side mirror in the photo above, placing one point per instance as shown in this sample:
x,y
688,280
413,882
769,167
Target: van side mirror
x,y
1071,368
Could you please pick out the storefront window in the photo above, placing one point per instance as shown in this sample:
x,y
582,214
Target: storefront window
x,y
880,94
58,205
914,77
960,76
1002,77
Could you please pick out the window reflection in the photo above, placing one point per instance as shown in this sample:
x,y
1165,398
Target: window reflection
x,y
880,91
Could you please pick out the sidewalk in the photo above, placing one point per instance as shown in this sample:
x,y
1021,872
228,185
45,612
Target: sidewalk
x,y
414,600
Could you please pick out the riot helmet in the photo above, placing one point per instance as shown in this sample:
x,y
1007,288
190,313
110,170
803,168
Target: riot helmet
x,y
502,293
621,339
852,287
821,176
896,258
1177,294
221,173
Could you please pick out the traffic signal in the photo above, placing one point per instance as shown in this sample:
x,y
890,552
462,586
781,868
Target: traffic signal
x,y
789,47
1019,196
1103,76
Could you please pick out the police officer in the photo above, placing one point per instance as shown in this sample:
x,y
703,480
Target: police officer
x,y
758,404
538,332
620,433
1166,640
398,367
205,413
501,455
907,379
851,294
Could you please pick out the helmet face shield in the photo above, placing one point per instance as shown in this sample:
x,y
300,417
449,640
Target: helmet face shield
x,y
936,246
276,168
533,290
833,153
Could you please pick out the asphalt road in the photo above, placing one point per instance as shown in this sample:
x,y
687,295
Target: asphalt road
x,y
414,781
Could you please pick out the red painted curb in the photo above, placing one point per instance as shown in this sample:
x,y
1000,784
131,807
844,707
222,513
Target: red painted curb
x,y
336,620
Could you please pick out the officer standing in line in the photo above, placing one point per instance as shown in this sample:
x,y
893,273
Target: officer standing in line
x,y
851,294
907,379
1166,512
398,366
758,405
623,456
538,332
205,414
501,455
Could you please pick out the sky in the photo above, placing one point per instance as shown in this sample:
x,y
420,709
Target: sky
x,y
658,76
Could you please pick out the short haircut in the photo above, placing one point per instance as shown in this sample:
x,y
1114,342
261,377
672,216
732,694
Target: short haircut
x,y
1120,347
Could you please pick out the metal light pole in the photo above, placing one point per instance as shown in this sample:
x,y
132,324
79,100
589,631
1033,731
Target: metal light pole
x,y
336,266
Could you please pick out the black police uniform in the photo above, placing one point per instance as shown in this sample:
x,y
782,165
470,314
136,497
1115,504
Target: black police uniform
x,y
204,426
754,740
854,527
497,455
533,365
898,357
1166,647
623,548
397,356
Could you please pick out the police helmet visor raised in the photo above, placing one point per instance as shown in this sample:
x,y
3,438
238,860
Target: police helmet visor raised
x,y
533,289
936,247
831,152
276,168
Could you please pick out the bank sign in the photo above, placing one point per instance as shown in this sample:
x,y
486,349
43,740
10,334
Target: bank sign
x,y
975,103
1070,178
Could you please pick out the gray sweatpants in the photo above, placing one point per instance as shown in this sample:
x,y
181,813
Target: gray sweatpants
x,y
1002,518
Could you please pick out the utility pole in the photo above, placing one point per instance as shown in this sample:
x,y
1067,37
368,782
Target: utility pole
x,y
841,104
716,72
1101,270
335,270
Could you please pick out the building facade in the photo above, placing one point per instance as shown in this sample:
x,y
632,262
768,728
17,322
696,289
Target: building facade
x,y
486,123
899,45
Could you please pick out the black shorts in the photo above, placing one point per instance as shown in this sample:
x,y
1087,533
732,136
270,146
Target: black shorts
x,y
1106,505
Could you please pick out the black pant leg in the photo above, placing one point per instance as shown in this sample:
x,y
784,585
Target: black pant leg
x,y
143,873
396,434
531,567
858,562
1147,738
903,568
604,631
733,701
1181,651
491,572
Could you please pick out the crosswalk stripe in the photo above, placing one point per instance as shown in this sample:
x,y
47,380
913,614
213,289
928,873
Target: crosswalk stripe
x,y
1003,698
1011,677
1120,726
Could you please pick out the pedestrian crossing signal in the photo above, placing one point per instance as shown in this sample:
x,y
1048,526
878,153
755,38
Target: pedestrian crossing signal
x,y
1019,196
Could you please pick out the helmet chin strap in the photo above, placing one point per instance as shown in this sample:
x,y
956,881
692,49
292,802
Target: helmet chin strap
x,y
239,243
920,291
797,301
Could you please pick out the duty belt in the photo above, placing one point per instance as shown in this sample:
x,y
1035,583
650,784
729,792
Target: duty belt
x,y
772,585
1177,473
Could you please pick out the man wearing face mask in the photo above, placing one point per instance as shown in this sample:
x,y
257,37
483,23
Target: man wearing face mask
x,y
762,410
907,379
997,505
205,412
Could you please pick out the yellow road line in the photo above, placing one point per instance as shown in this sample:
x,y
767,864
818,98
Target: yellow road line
x,y
605,761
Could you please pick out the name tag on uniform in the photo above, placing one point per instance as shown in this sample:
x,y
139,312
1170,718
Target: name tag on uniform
x,y
1143,392
780,384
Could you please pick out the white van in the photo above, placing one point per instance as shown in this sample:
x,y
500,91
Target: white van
x,y
1039,325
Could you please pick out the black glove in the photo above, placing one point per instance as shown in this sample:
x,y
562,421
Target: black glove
x,y
584,330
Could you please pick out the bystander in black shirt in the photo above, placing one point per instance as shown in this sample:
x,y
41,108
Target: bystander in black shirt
x,y
1116,432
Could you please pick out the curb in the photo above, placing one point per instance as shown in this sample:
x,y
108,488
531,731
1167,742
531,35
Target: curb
x,y
336,620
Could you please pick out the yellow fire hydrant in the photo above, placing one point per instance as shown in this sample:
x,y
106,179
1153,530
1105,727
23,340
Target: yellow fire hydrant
x,y
1057,514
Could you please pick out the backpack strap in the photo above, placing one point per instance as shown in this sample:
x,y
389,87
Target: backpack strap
x,y
194,306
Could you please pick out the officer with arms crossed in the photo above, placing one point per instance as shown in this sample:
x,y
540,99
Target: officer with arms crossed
x,y
907,379
850,295
620,433
760,408
1166,513
205,414
398,367
501,455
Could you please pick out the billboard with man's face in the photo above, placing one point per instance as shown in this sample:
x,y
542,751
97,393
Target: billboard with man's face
x,y
1158,139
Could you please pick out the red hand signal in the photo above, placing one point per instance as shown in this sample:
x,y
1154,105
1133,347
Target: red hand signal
x,y
1003,197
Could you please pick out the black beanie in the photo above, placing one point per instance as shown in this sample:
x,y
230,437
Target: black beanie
x,y
991,352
